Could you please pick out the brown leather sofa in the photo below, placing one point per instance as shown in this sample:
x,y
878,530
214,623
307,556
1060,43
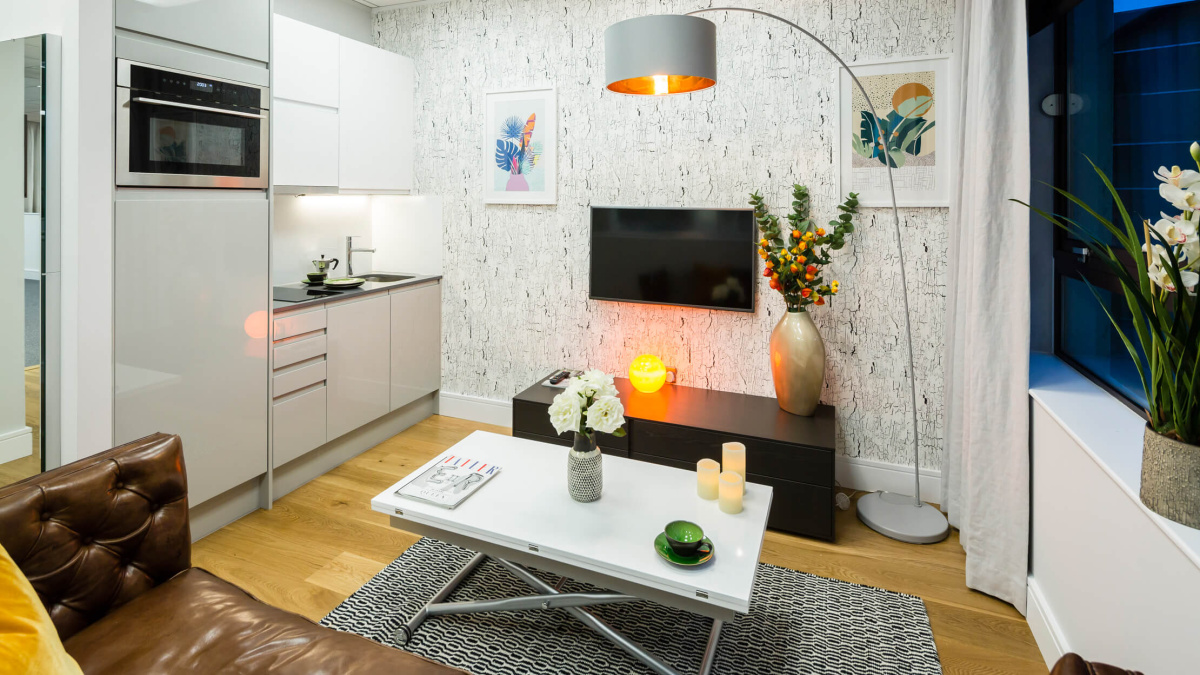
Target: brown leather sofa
x,y
105,542
1074,664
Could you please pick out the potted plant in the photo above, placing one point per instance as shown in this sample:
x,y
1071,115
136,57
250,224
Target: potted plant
x,y
1160,292
589,404
793,260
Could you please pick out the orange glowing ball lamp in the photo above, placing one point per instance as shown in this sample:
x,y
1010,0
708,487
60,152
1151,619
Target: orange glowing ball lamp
x,y
647,373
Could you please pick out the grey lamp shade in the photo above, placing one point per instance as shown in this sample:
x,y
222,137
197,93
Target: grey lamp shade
x,y
663,54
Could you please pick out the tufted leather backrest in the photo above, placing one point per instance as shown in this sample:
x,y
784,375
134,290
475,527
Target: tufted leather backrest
x,y
94,534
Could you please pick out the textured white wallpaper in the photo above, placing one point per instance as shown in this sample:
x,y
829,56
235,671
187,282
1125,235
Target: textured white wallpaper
x,y
516,277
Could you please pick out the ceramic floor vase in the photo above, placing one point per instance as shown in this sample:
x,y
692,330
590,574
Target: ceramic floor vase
x,y
798,363
1171,478
585,469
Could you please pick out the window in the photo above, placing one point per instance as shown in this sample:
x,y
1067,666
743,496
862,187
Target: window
x,y
1129,67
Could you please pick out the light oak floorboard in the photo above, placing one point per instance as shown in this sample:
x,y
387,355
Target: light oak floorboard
x,y
31,464
322,541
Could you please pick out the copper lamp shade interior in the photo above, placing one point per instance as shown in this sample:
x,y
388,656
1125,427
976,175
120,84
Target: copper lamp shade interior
x,y
660,55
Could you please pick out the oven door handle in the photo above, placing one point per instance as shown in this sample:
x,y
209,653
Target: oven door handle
x,y
220,111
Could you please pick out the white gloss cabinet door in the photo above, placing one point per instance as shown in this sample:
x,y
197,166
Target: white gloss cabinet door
x,y
192,323
416,343
306,63
376,118
359,353
306,144
238,27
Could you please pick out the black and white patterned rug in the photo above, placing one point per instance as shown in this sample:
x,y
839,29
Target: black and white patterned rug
x,y
798,623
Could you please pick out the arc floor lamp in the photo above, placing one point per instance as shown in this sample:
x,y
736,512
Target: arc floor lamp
x,y
677,54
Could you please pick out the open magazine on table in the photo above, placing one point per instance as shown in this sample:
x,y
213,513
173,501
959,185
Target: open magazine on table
x,y
449,482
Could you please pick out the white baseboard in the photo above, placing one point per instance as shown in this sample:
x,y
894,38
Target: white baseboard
x,y
852,472
16,444
475,408
870,475
1045,629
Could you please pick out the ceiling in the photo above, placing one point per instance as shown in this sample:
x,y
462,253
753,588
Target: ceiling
x,y
390,3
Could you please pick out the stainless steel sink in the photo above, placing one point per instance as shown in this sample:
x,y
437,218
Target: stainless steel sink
x,y
385,277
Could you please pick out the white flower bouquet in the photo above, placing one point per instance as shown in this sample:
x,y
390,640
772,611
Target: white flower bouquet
x,y
589,404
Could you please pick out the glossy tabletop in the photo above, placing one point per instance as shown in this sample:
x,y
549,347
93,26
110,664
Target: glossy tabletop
x,y
526,507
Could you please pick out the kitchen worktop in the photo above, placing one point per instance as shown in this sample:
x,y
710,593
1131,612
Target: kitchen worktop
x,y
279,306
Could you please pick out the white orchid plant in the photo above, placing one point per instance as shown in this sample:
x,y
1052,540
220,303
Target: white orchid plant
x,y
1158,267
589,404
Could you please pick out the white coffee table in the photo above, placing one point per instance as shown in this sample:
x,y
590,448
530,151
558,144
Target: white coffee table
x,y
524,517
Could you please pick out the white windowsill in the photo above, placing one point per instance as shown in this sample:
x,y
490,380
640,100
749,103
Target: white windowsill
x,y
1107,430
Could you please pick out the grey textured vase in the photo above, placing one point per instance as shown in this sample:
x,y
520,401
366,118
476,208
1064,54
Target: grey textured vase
x,y
585,469
798,363
1171,478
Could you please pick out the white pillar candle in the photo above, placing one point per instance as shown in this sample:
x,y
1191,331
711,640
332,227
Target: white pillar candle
x,y
731,487
733,458
706,478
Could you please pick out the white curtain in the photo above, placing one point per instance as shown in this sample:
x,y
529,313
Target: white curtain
x,y
33,167
985,460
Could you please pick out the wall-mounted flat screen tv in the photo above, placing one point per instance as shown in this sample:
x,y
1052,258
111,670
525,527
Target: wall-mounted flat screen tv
x,y
674,256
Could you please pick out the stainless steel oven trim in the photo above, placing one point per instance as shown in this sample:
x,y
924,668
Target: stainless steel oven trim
x,y
127,178
123,79
189,106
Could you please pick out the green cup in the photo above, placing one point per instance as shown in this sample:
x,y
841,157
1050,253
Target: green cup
x,y
684,537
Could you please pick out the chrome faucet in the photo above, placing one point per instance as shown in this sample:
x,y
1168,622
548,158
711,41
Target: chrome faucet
x,y
350,250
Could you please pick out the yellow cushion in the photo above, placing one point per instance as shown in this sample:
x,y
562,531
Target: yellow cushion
x,y
29,643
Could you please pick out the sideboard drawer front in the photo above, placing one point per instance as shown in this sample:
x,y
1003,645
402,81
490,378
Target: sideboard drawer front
x,y
765,458
566,443
795,507
533,418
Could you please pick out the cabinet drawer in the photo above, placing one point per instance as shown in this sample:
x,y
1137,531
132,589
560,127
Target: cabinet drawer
x,y
534,418
302,350
298,324
566,443
299,425
765,458
795,507
294,380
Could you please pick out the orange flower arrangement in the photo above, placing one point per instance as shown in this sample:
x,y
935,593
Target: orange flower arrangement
x,y
794,264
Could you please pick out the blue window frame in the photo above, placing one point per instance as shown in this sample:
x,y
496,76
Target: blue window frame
x,y
1131,63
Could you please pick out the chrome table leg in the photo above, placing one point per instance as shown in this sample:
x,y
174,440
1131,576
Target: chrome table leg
x,y
404,633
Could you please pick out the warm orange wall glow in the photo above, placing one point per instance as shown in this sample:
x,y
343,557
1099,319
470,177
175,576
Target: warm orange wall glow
x,y
647,373
256,325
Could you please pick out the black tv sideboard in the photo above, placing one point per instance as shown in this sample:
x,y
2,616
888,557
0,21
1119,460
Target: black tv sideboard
x,y
678,426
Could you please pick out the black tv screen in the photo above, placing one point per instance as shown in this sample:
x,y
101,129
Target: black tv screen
x,y
674,256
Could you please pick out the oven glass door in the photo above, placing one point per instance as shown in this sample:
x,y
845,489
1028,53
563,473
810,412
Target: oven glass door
x,y
173,138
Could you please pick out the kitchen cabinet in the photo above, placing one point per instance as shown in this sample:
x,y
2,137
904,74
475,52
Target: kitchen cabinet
x,y
359,355
191,338
375,116
306,145
305,63
238,27
416,344
298,384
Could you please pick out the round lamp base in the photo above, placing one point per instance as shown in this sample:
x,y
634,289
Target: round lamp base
x,y
902,518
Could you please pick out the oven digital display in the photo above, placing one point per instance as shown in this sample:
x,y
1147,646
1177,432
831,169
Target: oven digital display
x,y
206,87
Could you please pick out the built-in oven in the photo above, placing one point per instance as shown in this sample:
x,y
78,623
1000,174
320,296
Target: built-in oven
x,y
181,129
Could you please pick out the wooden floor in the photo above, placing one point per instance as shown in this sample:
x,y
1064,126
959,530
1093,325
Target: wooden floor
x,y
322,541
19,469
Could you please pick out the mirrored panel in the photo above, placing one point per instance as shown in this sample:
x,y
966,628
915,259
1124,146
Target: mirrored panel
x,y
28,220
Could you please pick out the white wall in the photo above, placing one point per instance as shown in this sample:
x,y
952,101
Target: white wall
x,y
1110,579
305,227
22,18
87,234
344,17
516,277
407,231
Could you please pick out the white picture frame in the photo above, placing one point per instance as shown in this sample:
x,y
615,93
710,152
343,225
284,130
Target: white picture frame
x,y
924,178
532,179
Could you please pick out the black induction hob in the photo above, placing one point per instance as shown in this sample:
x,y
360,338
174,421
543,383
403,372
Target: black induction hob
x,y
285,294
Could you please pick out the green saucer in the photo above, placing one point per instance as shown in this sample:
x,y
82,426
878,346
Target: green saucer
x,y
665,552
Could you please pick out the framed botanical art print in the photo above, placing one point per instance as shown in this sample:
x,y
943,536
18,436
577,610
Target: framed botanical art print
x,y
912,129
520,156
